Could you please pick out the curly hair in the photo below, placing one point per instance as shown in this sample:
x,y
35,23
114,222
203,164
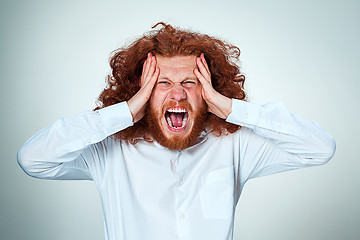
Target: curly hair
x,y
127,62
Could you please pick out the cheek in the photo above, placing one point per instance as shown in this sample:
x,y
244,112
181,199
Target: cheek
x,y
155,97
197,99
157,100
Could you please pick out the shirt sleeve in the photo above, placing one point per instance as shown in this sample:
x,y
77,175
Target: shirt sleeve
x,y
72,146
273,140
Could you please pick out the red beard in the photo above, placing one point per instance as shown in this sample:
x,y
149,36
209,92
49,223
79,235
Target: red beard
x,y
176,142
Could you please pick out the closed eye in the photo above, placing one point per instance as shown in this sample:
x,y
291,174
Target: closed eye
x,y
164,82
189,83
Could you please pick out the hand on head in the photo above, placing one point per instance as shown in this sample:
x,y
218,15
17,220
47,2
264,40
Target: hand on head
x,y
217,103
150,73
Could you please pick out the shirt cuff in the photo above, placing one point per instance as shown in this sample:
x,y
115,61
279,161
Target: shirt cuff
x,y
244,113
115,117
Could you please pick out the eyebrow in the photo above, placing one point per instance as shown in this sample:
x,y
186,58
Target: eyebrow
x,y
186,78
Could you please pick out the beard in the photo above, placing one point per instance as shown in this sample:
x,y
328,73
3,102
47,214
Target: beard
x,y
176,141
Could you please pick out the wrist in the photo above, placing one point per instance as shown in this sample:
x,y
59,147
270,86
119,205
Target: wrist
x,y
227,106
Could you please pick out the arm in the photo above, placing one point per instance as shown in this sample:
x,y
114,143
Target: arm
x,y
274,139
66,150
71,148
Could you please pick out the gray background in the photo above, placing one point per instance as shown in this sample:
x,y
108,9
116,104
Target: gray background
x,y
54,59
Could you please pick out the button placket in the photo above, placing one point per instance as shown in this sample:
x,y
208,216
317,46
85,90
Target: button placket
x,y
180,171
245,116
181,205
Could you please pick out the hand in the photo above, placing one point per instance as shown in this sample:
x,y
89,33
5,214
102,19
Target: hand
x,y
218,104
150,73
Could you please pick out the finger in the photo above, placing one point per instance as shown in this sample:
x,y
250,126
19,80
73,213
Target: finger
x,y
144,65
202,56
142,78
204,82
147,67
149,86
152,69
155,77
202,69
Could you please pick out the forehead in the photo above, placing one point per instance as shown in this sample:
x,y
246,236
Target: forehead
x,y
176,66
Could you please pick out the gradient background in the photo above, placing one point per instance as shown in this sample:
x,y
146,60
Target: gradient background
x,y
54,59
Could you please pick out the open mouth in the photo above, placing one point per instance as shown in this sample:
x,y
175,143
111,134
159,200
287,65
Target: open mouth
x,y
176,118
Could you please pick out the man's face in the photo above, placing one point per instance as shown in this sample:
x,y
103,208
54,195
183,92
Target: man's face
x,y
177,109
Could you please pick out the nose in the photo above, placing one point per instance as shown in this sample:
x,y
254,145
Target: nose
x,y
178,93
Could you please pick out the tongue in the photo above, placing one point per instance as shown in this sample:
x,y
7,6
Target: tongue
x,y
176,119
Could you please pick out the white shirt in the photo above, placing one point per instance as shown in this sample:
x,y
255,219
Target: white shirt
x,y
149,192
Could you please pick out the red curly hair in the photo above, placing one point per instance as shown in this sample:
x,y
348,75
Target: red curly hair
x,y
127,62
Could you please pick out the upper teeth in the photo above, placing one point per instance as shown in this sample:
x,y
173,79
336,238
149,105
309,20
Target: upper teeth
x,y
177,110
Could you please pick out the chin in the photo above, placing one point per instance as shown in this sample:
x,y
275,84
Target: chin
x,y
176,133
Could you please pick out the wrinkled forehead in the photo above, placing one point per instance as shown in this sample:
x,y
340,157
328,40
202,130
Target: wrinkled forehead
x,y
176,66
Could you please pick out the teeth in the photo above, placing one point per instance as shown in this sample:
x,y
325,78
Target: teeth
x,y
184,120
177,110
169,121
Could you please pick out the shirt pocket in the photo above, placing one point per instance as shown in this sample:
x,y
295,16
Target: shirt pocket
x,y
217,193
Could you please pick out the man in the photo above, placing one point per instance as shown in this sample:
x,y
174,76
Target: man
x,y
174,141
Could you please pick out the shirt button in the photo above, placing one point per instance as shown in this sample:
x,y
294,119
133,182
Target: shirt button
x,y
181,182
182,216
88,140
245,116
117,126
